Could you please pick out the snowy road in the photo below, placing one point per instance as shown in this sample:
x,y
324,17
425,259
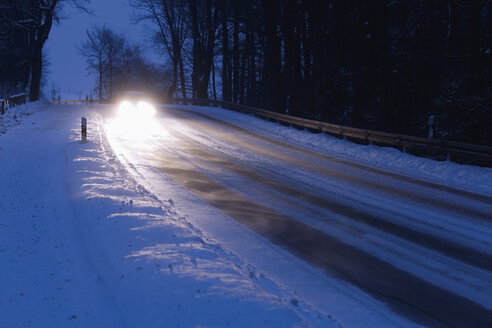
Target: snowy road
x,y
204,217
422,247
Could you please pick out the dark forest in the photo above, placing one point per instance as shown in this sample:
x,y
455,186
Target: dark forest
x,y
384,65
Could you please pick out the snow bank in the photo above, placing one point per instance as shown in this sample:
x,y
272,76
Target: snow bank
x,y
14,116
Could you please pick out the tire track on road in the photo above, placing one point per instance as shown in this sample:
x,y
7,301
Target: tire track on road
x,y
406,294
483,213
453,250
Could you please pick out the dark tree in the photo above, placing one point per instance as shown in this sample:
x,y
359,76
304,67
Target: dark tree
x,y
377,64
204,21
28,24
94,50
119,64
169,17
272,67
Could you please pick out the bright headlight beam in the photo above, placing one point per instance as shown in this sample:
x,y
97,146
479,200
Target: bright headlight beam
x,y
145,109
135,119
126,109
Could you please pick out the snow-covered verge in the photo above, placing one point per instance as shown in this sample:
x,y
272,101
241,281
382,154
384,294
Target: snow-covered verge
x,y
83,245
446,172
45,279
14,116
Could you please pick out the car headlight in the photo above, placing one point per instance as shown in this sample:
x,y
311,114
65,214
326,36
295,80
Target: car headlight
x,y
126,109
145,109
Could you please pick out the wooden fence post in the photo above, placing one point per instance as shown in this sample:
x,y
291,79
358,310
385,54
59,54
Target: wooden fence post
x,y
84,129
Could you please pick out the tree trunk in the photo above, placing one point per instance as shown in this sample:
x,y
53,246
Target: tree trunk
x,y
36,72
172,88
100,66
214,90
226,93
251,93
181,76
110,64
382,40
203,31
37,56
475,84
272,57
242,79
235,54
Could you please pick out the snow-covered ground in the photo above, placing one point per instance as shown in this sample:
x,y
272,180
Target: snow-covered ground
x,y
82,244
96,235
15,116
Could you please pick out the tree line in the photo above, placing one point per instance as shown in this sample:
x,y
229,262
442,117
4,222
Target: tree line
x,y
379,64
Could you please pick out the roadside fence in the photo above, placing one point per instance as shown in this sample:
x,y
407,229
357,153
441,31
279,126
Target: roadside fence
x,y
78,101
12,101
479,153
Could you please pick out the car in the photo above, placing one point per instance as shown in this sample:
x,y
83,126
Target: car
x,y
134,96
135,105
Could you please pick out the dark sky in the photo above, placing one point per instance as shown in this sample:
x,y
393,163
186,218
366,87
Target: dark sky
x,y
67,70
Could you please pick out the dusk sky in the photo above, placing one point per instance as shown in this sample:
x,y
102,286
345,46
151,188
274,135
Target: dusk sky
x,y
67,70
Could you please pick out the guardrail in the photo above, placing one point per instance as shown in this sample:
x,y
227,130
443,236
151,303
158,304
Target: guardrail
x,y
78,101
405,142
12,101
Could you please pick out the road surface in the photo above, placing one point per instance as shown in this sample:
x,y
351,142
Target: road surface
x,y
423,248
